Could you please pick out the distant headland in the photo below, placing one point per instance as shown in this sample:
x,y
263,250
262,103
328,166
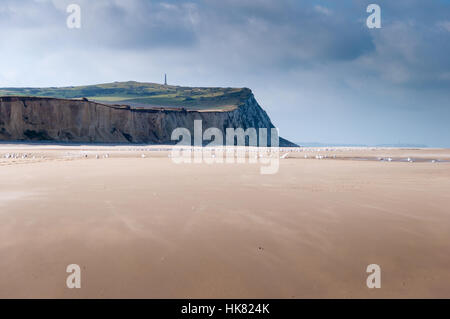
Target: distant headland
x,y
124,112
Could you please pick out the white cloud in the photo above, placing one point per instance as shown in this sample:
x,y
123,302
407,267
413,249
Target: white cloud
x,y
323,10
444,25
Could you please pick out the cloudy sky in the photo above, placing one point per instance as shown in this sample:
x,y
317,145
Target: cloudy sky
x,y
314,66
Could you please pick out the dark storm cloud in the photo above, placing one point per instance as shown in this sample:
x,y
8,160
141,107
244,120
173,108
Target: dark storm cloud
x,y
411,49
413,46
140,24
302,32
299,32
105,23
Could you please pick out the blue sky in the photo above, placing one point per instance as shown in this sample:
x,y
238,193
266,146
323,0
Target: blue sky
x,y
314,66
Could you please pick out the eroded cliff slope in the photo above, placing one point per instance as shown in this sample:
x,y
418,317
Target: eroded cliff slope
x,y
66,120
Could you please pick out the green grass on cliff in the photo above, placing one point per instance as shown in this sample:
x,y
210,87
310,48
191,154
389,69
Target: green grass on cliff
x,y
138,94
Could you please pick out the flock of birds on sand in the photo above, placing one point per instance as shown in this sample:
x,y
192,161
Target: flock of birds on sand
x,y
254,151
18,156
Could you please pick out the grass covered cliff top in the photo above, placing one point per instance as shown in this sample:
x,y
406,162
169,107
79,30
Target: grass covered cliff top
x,y
147,95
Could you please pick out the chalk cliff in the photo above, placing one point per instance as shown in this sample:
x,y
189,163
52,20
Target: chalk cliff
x,y
83,121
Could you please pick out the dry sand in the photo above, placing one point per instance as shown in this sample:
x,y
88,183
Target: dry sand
x,y
149,228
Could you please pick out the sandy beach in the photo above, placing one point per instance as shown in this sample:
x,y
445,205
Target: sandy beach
x,y
145,227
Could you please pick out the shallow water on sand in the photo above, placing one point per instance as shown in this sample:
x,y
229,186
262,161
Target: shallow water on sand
x,y
6,197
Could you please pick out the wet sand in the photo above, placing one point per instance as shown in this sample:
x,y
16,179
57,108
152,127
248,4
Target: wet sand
x,y
144,227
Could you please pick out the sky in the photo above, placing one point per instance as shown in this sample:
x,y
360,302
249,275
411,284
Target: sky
x,y
320,73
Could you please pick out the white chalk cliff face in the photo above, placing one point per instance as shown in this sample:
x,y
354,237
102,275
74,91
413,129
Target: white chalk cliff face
x,y
62,120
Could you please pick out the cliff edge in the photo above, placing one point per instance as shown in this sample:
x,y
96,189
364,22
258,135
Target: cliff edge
x,y
31,118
